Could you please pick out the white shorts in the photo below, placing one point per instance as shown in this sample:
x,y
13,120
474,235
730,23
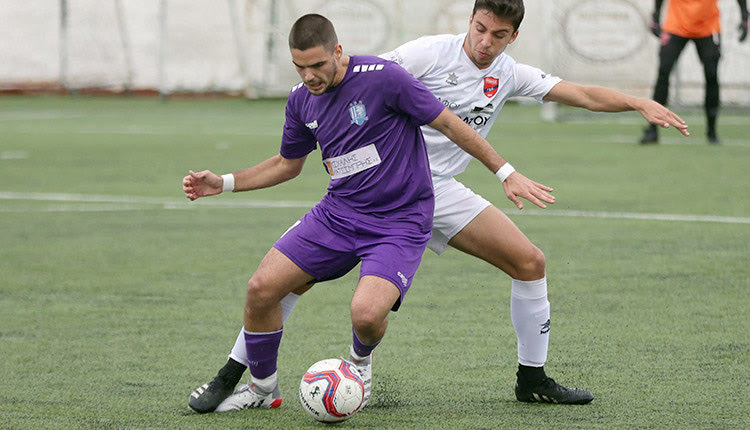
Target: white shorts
x,y
455,207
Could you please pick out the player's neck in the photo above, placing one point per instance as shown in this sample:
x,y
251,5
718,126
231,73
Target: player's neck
x,y
341,71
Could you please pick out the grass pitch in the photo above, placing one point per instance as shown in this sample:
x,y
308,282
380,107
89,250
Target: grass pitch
x,y
118,297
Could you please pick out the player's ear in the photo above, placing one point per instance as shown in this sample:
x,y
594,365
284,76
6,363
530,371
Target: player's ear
x,y
513,37
338,51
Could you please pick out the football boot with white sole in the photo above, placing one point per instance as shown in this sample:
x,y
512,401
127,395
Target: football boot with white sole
x,y
249,397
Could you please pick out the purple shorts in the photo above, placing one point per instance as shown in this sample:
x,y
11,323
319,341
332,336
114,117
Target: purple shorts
x,y
328,246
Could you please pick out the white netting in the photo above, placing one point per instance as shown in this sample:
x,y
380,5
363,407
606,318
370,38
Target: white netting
x,y
29,44
241,45
92,55
605,42
364,27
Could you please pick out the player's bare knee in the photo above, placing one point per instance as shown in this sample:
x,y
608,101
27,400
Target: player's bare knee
x,y
259,295
533,266
366,320
363,320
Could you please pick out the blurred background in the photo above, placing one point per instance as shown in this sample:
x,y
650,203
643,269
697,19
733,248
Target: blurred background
x,y
239,46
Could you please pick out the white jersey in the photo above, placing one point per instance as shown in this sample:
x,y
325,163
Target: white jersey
x,y
475,95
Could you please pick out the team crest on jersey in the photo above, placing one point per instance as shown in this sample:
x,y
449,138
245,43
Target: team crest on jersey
x,y
358,112
490,86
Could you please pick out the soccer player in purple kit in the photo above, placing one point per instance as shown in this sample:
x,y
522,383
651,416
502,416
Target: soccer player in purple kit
x,y
364,113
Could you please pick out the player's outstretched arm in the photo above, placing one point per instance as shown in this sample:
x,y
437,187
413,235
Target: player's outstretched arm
x,y
268,173
515,185
600,99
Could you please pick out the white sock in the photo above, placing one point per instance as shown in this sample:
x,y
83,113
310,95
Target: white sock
x,y
529,311
353,355
287,306
239,351
265,385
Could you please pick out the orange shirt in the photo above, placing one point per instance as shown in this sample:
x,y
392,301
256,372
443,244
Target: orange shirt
x,y
693,19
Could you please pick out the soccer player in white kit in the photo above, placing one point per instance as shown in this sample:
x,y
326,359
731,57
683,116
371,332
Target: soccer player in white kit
x,y
473,77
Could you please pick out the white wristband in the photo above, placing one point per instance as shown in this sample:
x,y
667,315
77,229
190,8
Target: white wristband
x,y
504,172
228,182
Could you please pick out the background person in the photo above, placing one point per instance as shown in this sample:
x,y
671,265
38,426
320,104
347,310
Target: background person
x,y
697,21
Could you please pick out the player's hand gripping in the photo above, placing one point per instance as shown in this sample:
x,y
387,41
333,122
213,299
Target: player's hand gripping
x,y
654,25
201,184
518,185
659,115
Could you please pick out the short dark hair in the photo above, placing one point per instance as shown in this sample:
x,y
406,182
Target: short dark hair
x,y
509,9
313,30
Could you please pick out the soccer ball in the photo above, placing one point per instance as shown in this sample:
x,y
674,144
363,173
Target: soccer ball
x,y
331,390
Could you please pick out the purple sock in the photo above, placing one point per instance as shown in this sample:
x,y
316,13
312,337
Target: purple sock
x,y
262,352
360,348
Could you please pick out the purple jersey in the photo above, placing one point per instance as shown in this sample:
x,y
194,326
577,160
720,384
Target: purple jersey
x,y
368,131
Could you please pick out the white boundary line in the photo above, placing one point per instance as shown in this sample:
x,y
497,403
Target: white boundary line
x,y
142,131
131,202
633,215
102,203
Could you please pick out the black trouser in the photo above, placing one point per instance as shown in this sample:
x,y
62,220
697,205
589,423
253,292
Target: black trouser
x,y
709,52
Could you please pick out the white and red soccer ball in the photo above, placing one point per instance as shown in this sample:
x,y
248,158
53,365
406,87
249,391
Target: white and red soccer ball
x,y
331,390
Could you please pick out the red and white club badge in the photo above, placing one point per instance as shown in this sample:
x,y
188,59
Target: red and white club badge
x,y
490,86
